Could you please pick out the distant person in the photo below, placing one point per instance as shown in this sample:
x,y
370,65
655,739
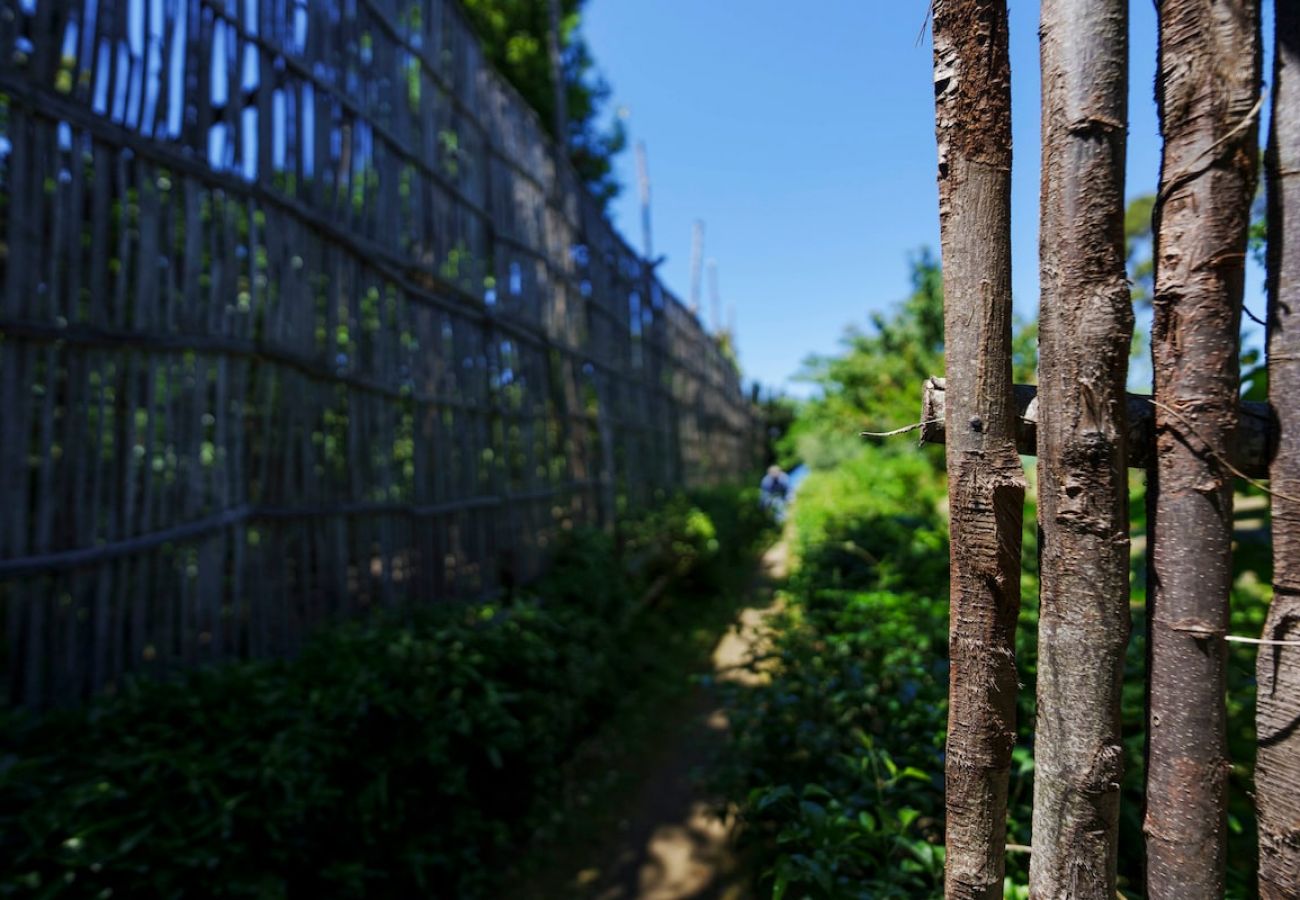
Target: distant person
x,y
774,489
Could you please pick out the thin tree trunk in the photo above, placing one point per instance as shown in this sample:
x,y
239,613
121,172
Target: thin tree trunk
x,y
1277,768
986,486
1085,329
1207,88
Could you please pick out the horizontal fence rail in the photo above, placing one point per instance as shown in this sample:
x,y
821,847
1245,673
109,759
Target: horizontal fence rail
x,y
301,316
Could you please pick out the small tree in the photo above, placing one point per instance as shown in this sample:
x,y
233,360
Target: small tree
x,y
514,38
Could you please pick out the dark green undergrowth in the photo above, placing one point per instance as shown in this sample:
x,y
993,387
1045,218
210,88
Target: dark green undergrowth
x,y
393,758
582,838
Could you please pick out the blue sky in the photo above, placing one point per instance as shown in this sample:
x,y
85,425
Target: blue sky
x,y
803,137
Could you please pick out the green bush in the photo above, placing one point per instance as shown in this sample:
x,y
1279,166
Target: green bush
x,y
393,758
836,759
872,523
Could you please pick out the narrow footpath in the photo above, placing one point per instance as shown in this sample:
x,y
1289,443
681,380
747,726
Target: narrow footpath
x,y
669,842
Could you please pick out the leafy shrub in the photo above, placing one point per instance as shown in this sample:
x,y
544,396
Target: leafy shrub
x,y
393,758
697,539
836,759
842,764
872,522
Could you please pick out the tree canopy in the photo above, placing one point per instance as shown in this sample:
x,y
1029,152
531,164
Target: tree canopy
x,y
514,37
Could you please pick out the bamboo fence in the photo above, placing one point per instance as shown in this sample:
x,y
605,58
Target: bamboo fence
x,y
300,316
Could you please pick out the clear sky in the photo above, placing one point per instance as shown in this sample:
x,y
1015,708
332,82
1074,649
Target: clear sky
x,y
803,136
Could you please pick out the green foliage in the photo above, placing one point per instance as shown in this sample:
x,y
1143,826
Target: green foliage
x,y
514,37
1138,247
1254,375
1257,237
1024,351
875,383
836,759
393,758
779,412
871,523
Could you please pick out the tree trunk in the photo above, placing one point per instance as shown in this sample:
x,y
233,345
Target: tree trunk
x,y
1207,88
986,486
1277,769
1085,329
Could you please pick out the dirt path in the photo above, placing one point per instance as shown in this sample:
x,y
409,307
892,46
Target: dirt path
x,y
670,844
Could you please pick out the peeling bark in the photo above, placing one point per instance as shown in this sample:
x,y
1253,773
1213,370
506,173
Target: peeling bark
x,y
1207,89
1277,768
1085,330
986,486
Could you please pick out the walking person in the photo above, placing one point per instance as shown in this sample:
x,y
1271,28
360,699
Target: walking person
x,y
774,490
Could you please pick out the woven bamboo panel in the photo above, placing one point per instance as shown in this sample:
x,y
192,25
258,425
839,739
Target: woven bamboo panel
x,y
300,317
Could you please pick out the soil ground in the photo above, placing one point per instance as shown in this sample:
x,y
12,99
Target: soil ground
x,y
658,835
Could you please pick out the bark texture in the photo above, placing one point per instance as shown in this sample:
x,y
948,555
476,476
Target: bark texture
x,y
986,486
1207,88
1085,331
1277,768
1250,453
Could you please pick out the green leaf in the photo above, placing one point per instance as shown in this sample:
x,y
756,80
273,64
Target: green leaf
x,y
771,798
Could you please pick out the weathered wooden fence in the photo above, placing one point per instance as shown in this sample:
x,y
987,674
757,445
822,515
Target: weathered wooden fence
x,y
1193,436
302,316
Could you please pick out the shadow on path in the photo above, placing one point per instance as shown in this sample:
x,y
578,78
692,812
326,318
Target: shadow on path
x,y
671,844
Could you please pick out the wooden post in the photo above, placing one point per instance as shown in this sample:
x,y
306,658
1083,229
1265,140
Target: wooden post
x,y
1207,91
555,52
986,488
697,262
1085,329
1277,768
643,185
715,296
